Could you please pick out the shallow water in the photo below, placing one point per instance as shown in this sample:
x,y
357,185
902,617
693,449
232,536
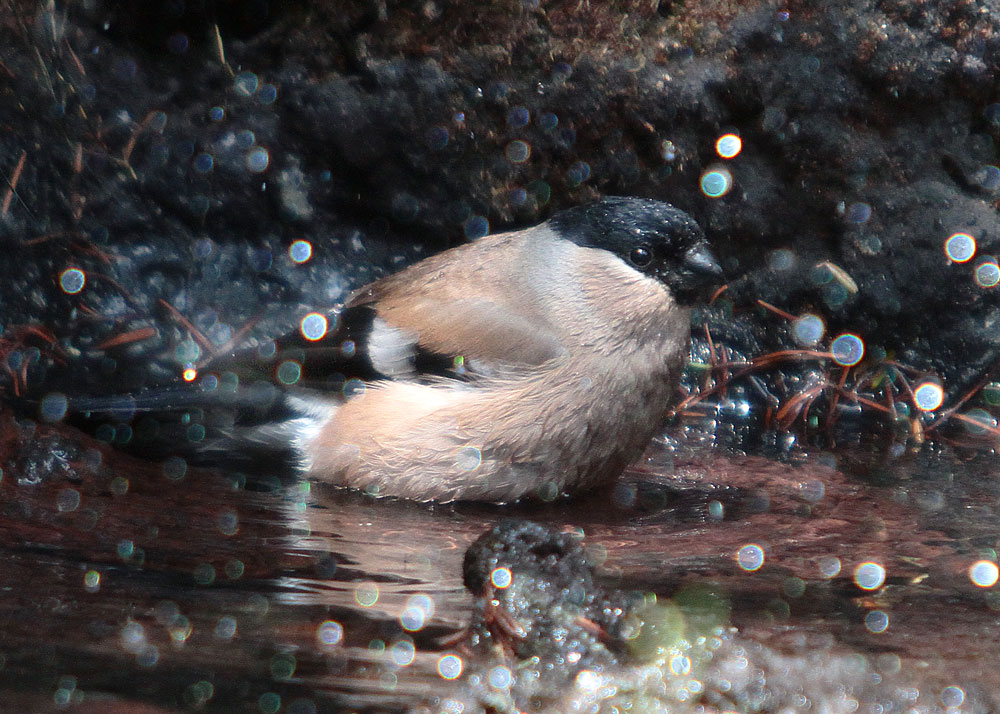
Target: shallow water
x,y
126,590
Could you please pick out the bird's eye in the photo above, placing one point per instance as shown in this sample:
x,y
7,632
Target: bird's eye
x,y
640,257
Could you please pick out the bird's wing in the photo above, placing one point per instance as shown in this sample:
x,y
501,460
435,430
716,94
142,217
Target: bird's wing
x,y
438,330
419,339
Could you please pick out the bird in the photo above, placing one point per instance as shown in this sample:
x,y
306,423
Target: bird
x,y
524,364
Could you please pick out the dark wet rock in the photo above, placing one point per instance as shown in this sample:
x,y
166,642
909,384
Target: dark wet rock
x,y
678,654
542,621
379,132
537,598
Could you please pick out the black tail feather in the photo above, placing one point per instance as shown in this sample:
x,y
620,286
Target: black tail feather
x,y
254,429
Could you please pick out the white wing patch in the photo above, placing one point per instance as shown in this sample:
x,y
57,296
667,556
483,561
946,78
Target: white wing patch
x,y
392,350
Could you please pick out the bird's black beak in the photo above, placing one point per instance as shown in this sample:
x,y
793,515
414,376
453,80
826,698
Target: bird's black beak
x,y
694,275
700,261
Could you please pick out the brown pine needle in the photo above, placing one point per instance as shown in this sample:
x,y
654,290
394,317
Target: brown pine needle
x,y
717,293
126,338
196,334
12,184
776,310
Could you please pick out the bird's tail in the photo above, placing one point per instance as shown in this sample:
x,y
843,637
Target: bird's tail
x,y
257,429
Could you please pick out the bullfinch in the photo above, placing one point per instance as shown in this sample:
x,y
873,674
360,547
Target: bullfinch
x,y
525,363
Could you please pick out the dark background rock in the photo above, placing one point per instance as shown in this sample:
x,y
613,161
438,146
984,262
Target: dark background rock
x,y
382,131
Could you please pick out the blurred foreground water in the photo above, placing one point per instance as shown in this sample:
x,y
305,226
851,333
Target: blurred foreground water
x,y
857,582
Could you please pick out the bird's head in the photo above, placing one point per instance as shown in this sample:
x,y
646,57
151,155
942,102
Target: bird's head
x,y
652,237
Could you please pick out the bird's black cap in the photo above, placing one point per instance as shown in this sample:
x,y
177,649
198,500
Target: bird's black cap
x,y
651,236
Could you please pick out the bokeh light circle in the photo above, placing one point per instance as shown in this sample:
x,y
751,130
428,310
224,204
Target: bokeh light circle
x,y
858,213
877,621
314,326
960,247
808,329
246,83
869,575
829,566
781,259
501,578
258,159
518,117
978,421
187,352
330,633
578,173
847,349
412,619
469,458
268,93
952,696
403,653
53,407
716,182
987,273
203,163
518,151
72,280
354,387
300,251
476,227
450,666
422,602
728,146
289,372
984,573
750,557
366,593
500,677
928,395
245,139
